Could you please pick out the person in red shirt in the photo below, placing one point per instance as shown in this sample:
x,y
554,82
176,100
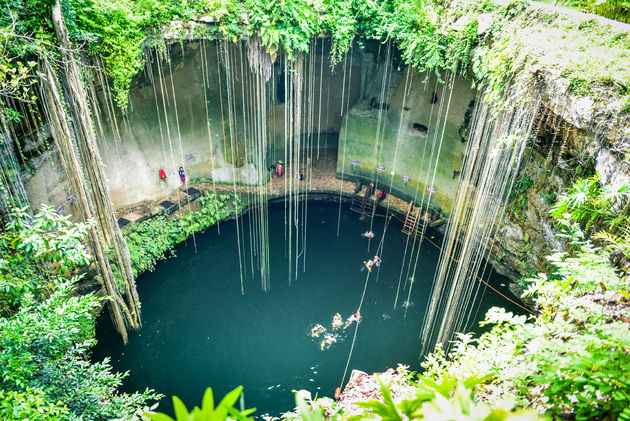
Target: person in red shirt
x,y
380,196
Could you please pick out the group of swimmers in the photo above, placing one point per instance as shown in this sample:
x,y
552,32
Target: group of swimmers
x,y
337,323
373,262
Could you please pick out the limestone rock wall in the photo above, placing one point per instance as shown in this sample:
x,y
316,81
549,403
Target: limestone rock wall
x,y
167,126
428,149
179,115
565,149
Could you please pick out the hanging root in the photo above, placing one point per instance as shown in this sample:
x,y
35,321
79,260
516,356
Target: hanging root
x,y
260,61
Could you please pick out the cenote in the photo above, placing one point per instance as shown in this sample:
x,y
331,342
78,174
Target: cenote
x,y
200,331
176,198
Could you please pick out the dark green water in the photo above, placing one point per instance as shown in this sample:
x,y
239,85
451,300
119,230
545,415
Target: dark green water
x,y
199,330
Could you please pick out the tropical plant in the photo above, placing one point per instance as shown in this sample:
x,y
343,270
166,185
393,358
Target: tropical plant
x,y
30,405
208,412
591,204
46,329
31,248
447,400
154,239
571,360
613,9
518,196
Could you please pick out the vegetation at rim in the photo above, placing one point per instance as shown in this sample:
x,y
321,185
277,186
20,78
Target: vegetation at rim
x,y
498,43
165,233
46,329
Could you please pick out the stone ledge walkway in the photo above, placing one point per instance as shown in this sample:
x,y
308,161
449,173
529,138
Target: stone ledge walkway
x,y
321,178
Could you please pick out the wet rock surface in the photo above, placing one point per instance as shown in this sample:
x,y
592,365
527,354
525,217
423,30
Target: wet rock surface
x,y
364,387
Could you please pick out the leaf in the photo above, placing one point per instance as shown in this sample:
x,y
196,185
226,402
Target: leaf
x,y
387,397
158,417
230,399
181,413
207,403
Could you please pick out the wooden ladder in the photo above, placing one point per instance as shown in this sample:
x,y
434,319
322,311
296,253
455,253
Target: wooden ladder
x,y
410,227
359,205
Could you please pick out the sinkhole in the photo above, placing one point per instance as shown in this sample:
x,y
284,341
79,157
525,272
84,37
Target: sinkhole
x,y
200,331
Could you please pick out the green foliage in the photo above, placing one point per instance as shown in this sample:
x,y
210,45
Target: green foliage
x,y
226,12
46,329
548,196
16,80
432,35
29,249
612,9
223,411
447,400
116,34
288,23
407,397
518,196
572,359
32,404
433,45
152,240
50,240
591,204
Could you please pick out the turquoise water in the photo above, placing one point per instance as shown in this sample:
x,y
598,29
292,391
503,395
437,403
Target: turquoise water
x,y
200,331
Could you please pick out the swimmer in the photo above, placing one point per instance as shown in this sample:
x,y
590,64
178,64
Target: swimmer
x,y
329,339
369,265
337,322
316,330
377,261
353,318
368,234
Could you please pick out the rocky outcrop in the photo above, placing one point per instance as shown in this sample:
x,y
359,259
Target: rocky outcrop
x,y
562,152
363,387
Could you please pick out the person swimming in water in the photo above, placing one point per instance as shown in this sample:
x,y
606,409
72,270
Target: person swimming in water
x,y
329,339
353,318
372,262
368,234
337,321
316,330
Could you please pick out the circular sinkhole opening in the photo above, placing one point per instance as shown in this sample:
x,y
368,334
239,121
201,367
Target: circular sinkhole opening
x,y
200,331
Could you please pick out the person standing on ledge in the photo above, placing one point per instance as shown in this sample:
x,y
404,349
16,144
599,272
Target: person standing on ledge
x,y
182,175
381,196
357,187
279,168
